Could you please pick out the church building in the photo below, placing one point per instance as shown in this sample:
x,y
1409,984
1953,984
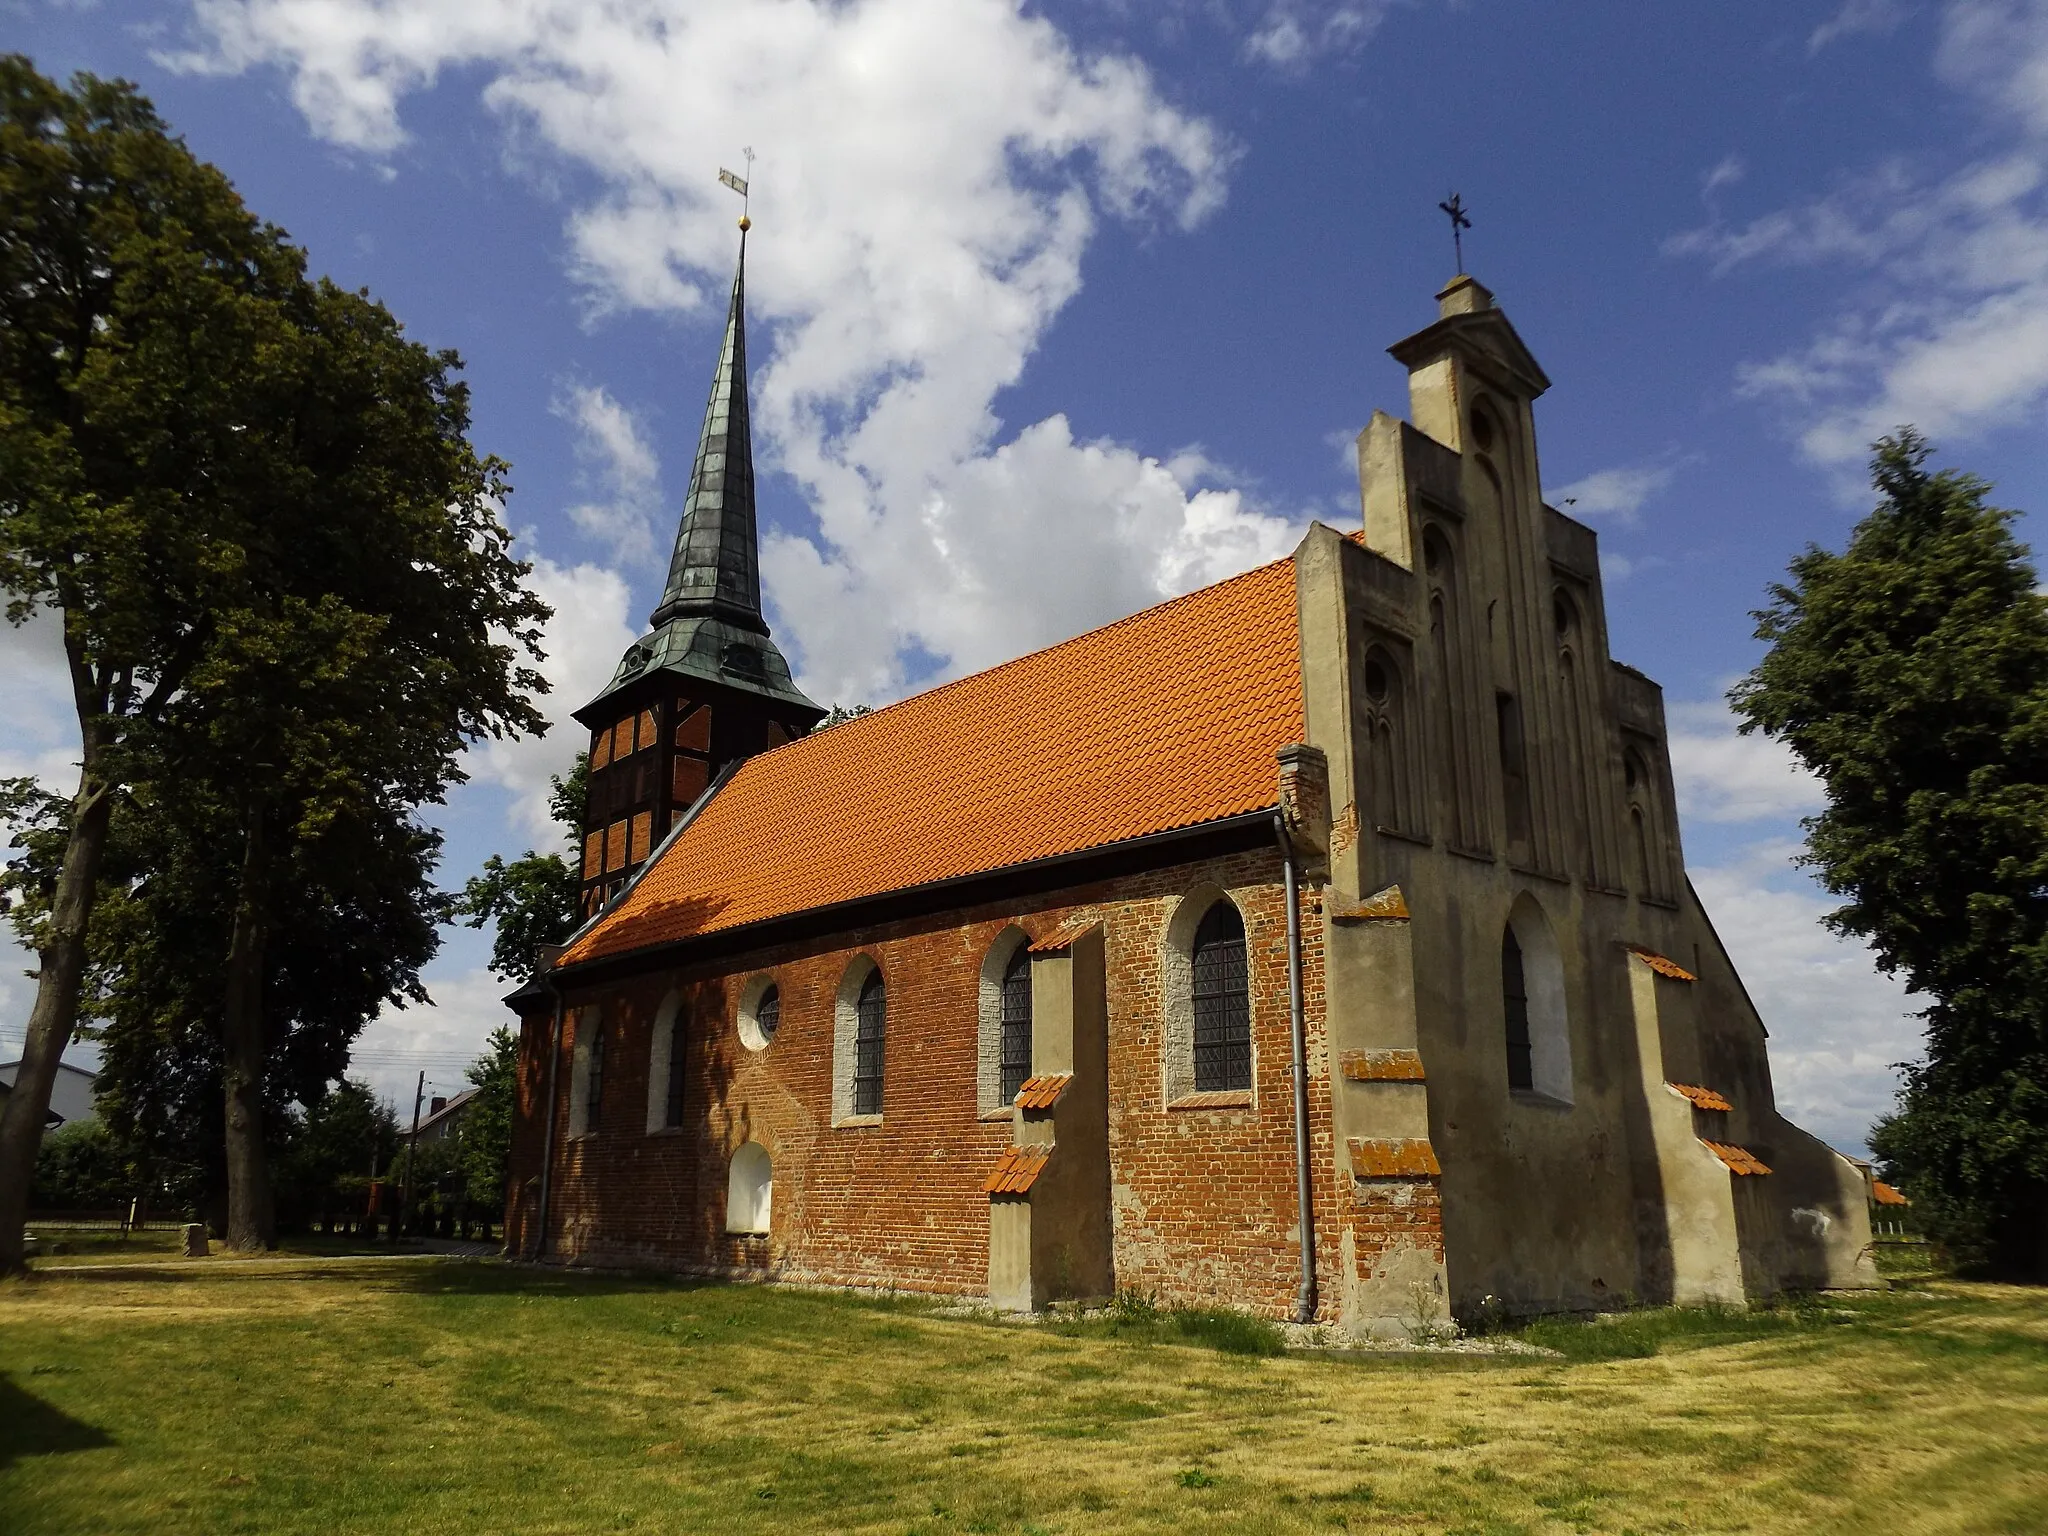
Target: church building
x,y
1318,942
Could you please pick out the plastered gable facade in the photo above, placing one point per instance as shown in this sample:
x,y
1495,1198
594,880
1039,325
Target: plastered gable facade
x,y
1548,1139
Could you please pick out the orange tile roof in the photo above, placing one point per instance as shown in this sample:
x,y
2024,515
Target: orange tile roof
x,y
1884,1194
1167,719
1393,1157
1739,1159
1043,1092
1702,1098
1017,1169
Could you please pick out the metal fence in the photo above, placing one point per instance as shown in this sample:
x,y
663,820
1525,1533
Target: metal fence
x,y
135,1218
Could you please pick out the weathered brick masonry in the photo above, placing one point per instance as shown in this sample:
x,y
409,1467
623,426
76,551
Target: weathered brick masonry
x,y
1203,1198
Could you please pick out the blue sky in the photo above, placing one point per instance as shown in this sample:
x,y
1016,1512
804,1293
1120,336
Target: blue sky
x,y
1060,311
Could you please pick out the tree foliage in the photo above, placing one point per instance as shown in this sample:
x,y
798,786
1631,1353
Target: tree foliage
x,y
531,900
286,597
83,1166
1910,673
486,1134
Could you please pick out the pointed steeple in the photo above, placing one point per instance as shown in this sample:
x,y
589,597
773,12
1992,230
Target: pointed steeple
x,y
708,623
715,571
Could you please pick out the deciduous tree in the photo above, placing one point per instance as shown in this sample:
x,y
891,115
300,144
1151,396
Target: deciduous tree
x,y
531,900
287,600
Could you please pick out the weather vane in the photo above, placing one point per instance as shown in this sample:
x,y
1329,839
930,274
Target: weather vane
x,y
739,185
1459,224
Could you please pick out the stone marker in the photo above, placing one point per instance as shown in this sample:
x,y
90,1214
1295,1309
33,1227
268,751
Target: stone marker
x,y
195,1240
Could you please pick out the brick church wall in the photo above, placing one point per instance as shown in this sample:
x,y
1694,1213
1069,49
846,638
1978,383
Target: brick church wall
x,y
1203,1200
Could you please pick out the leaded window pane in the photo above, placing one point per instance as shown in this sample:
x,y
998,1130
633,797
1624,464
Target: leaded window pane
x,y
675,1074
1016,1044
768,1013
1223,1015
870,1013
1515,1003
594,1097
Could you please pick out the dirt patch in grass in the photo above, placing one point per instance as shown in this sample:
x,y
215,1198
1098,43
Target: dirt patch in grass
x,y
381,1397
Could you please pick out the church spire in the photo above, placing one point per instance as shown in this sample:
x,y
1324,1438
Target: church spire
x,y
715,571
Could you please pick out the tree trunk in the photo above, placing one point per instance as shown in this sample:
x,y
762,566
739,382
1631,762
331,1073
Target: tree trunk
x,y
55,1014
252,1205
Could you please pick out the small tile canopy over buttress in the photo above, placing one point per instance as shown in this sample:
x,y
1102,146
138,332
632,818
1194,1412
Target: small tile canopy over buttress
x,y
1018,1169
1382,1067
1043,1092
1702,1098
1661,965
1393,1157
1738,1159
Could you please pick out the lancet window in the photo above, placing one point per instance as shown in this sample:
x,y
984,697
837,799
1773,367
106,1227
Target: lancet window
x,y
1222,1003
1016,1023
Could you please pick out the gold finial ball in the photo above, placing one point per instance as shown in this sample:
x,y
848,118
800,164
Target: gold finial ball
x,y
745,223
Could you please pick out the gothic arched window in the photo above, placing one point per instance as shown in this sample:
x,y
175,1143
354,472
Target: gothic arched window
x,y
1016,1025
1645,825
1581,754
1447,767
1222,1003
1536,1031
871,1011
1514,993
1388,792
594,1079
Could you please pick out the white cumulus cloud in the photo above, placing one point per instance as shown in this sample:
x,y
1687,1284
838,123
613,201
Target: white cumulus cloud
x,y
591,629
623,465
1837,1023
1855,18
1727,777
1295,33
1618,493
930,174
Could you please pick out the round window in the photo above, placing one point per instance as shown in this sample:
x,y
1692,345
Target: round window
x,y
760,1014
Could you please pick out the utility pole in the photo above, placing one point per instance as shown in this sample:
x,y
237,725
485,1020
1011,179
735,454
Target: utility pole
x,y
413,1141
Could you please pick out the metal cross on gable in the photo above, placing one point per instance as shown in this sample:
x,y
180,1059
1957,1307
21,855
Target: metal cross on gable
x,y
1459,224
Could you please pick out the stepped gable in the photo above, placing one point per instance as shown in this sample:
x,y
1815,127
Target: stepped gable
x,y
1164,720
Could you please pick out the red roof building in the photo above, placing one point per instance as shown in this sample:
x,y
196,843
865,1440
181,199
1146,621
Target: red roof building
x,y
1301,943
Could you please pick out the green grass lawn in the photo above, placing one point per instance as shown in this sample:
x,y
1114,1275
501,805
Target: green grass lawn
x,y
350,1395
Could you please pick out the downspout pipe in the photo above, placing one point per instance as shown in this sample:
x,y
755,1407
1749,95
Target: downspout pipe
x,y
547,1149
1304,1184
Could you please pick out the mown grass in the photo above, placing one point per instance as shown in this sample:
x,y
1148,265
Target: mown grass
x,y
65,1247
347,1395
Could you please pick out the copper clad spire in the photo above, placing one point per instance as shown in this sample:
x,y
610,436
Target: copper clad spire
x,y
715,571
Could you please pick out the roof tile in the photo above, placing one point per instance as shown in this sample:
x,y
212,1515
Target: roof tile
x,y
1381,1066
1018,1169
1065,936
1167,719
1662,965
1043,1092
1702,1098
1389,1157
1738,1159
